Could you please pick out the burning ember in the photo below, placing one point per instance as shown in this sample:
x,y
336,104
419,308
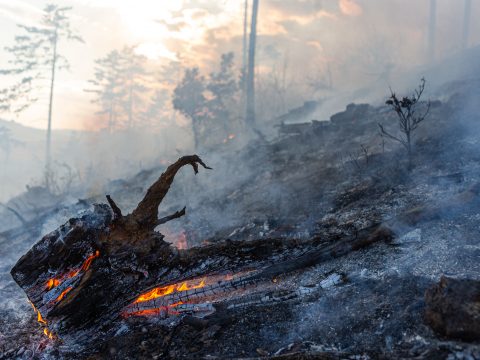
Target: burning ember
x,y
58,287
170,289
43,323
157,311
192,296
54,282
64,292
181,242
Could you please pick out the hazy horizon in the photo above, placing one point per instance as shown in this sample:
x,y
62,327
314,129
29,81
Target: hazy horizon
x,y
352,41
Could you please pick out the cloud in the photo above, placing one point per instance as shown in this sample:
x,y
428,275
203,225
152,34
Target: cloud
x,y
350,8
20,11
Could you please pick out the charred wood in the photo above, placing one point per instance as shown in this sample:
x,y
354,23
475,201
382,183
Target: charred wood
x,y
82,276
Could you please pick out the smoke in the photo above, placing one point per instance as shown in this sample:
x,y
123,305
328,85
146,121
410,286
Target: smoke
x,y
350,8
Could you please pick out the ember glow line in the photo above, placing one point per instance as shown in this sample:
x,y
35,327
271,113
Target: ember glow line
x,y
64,292
43,323
169,289
54,282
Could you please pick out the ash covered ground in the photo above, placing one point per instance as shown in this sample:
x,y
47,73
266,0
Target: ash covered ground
x,y
321,179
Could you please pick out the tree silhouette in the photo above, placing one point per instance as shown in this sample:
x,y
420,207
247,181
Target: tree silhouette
x,y
136,83
211,104
120,83
107,85
35,54
189,99
409,117
157,108
223,87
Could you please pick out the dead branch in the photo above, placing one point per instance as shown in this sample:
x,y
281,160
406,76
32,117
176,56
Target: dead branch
x,y
408,119
16,213
116,210
175,215
146,212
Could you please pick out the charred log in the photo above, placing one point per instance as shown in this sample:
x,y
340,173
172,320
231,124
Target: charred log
x,y
81,277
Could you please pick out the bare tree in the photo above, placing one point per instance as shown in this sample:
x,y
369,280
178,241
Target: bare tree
x,y
409,117
36,52
250,106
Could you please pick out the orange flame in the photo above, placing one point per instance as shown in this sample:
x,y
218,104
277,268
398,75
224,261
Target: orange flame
x,y
155,311
39,317
64,292
48,333
42,322
181,242
54,282
89,260
169,289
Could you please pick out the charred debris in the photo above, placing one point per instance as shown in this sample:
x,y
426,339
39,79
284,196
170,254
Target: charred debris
x,y
327,242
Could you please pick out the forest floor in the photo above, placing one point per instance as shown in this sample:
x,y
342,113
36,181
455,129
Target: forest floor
x,y
332,179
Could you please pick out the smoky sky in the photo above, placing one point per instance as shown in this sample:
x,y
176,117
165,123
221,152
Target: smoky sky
x,y
355,41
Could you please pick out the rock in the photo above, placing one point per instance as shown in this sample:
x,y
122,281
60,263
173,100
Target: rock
x,y
353,112
412,237
331,280
453,308
262,352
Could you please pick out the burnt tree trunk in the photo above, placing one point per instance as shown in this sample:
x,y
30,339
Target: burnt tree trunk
x,y
81,277
250,105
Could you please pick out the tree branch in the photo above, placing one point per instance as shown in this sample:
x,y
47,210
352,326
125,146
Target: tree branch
x,y
175,215
146,212
117,213
16,213
390,136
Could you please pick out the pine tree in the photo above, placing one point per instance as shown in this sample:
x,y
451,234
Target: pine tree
x,y
107,85
136,83
157,108
223,87
35,54
190,100
120,84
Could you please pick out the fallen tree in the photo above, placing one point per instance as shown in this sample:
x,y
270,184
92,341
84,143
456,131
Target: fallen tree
x,y
94,270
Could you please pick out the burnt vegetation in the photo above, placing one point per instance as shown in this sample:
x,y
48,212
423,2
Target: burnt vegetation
x,y
320,238
332,233
411,112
